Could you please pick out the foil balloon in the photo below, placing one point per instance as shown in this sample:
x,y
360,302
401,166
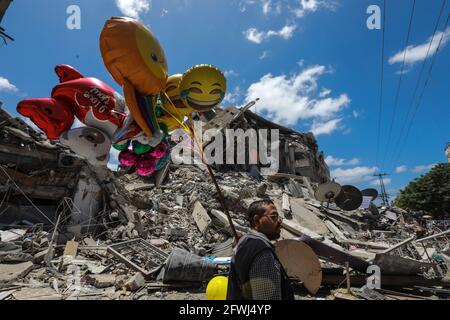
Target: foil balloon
x,y
174,110
202,88
50,115
92,101
146,163
93,144
136,61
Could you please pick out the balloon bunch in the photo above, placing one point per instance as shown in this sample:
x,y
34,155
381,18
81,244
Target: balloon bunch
x,y
158,103
91,101
137,125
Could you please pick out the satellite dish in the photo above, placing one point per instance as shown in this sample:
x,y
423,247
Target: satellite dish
x,y
300,262
370,193
349,199
326,192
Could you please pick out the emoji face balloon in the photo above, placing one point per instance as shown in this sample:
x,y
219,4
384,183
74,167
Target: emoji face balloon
x,y
202,88
131,51
172,90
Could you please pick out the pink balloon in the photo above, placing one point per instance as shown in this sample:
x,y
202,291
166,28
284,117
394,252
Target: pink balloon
x,y
127,158
146,166
159,151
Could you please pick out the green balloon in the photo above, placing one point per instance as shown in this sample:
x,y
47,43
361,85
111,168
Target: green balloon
x,y
120,147
139,148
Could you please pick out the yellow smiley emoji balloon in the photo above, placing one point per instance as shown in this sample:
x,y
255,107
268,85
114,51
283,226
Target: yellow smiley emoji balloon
x,y
172,90
132,53
174,110
202,88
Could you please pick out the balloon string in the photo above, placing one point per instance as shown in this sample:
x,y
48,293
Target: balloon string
x,y
188,129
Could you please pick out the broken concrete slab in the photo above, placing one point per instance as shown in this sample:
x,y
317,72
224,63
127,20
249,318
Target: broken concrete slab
x,y
101,280
298,230
36,294
9,257
201,217
285,204
306,217
6,294
335,255
303,221
12,235
11,272
135,282
397,265
71,249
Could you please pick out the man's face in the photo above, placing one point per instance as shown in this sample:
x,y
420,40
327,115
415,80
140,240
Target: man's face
x,y
269,223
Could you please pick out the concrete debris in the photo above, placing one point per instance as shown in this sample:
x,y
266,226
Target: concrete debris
x,y
201,217
136,282
120,236
101,280
10,272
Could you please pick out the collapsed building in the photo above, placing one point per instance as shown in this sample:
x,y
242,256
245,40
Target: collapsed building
x,y
39,178
129,237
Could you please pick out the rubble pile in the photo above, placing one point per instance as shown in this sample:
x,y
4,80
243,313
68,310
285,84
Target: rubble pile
x,y
165,238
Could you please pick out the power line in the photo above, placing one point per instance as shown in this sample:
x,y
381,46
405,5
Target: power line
x,y
397,144
423,91
399,81
384,196
380,107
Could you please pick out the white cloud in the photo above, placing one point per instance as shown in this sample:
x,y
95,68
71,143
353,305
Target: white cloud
x,y
286,32
256,36
423,168
419,53
264,55
244,3
164,12
230,73
355,114
319,128
401,169
7,86
332,161
325,92
266,6
286,100
310,6
354,175
133,8
233,97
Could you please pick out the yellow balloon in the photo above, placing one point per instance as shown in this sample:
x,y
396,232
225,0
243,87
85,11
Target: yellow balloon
x,y
202,88
175,107
131,52
217,288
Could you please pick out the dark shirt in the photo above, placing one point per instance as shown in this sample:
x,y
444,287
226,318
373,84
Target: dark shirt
x,y
256,273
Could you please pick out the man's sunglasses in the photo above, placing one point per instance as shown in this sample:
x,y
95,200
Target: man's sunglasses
x,y
275,217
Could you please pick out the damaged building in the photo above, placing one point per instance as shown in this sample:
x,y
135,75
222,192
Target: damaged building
x,y
39,179
166,237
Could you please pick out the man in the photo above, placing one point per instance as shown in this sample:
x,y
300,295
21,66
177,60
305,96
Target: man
x,y
255,272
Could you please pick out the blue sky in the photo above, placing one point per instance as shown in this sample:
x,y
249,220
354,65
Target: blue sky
x,y
314,64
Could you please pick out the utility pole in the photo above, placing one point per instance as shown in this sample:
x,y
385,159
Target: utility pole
x,y
384,195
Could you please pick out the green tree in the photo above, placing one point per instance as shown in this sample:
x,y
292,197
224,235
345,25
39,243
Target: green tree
x,y
430,192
